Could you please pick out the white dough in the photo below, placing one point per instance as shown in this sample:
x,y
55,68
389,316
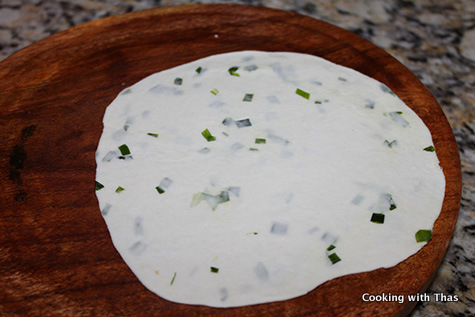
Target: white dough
x,y
234,222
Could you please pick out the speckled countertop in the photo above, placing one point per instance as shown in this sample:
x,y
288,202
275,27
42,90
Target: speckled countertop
x,y
435,39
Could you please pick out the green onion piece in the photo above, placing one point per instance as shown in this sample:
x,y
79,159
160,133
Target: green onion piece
x,y
127,91
215,200
392,204
334,258
235,190
331,247
207,135
423,235
198,70
119,189
302,93
173,279
212,200
228,121
430,148
197,198
160,190
377,218
214,91
165,183
214,269
155,135
386,89
223,196
260,141
253,149
243,123
318,101
396,116
178,81
248,97
390,144
98,186
233,70
124,149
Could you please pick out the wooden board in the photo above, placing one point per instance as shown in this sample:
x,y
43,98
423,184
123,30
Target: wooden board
x,y
56,255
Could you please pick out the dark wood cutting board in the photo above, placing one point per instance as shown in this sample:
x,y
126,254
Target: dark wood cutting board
x,y
56,255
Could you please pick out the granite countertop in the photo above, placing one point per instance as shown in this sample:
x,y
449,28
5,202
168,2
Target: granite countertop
x,y
435,39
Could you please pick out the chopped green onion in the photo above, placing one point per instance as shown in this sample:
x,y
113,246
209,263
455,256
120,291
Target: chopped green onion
x,y
235,190
233,70
223,196
253,233
377,218
302,93
160,190
124,149
178,81
98,186
318,101
392,205
331,247
386,89
207,135
248,97
213,200
214,91
227,121
197,198
390,144
423,235
278,139
260,141
155,135
119,189
430,148
173,279
253,149
198,70
214,269
165,183
243,123
250,68
127,91
334,258
396,116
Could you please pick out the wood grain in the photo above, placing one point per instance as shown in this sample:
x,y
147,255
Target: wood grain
x,y
56,255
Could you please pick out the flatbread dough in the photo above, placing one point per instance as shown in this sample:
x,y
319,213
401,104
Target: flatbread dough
x,y
251,177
